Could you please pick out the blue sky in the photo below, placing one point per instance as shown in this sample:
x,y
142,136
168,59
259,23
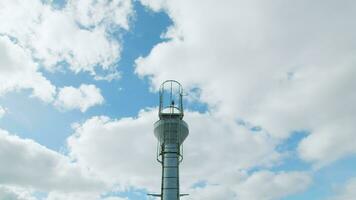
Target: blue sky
x,y
256,132
147,27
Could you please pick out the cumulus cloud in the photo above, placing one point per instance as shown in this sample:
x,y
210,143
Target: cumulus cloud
x,y
34,34
2,111
88,195
17,193
115,198
93,13
98,159
212,192
81,98
123,152
348,192
13,193
272,185
19,71
60,39
28,164
54,35
261,185
284,66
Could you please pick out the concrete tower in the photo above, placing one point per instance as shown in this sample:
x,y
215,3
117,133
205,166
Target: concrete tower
x,y
170,131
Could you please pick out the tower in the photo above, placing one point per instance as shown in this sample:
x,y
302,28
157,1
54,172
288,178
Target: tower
x,y
170,131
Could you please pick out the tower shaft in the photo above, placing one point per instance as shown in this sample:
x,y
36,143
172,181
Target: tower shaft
x,y
170,172
170,131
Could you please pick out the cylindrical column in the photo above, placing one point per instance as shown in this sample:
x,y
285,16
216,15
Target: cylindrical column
x,y
170,172
170,132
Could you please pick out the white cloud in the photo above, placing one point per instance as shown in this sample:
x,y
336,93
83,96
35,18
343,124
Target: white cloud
x,y
93,13
19,71
212,192
58,38
56,35
109,77
329,142
13,193
81,98
122,154
121,151
282,66
88,195
222,148
17,193
261,185
28,164
265,185
218,153
114,198
41,34
2,111
348,192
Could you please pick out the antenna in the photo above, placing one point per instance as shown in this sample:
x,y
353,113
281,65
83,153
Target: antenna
x,y
170,131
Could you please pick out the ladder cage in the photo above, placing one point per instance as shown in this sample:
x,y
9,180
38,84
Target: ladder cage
x,y
171,98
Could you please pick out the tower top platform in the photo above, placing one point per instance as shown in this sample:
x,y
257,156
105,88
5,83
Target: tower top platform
x,y
171,100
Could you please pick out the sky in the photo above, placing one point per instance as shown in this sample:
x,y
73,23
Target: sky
x,y
269,98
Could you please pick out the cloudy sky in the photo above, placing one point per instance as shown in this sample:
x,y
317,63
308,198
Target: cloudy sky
x,y
270,98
